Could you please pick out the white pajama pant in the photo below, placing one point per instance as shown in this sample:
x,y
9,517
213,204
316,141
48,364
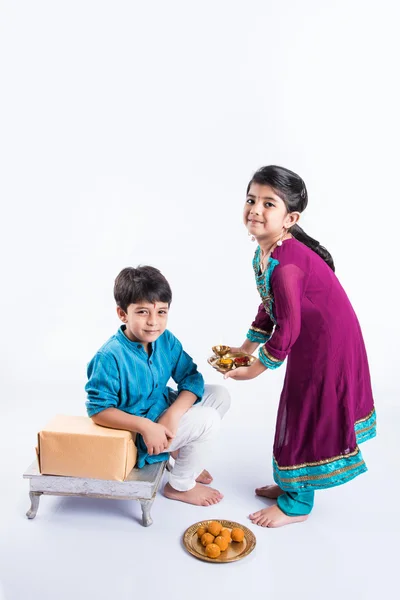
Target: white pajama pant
x,y
196,431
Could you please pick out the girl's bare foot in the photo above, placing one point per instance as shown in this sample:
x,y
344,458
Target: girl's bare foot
x,y
274,517
204,477
270,491
200,495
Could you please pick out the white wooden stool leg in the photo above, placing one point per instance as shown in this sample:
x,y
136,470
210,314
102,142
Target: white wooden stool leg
x,y
35,497
146,508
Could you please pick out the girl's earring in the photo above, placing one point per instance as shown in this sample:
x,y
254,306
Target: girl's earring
x,y
279,242
252,238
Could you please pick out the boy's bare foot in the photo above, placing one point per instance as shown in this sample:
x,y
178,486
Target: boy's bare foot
x,y
204,477
270,491
200,495
274,517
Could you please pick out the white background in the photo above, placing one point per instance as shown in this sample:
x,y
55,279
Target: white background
x,y
129,131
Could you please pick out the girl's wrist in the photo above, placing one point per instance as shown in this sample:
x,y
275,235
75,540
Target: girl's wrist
x,y
259,367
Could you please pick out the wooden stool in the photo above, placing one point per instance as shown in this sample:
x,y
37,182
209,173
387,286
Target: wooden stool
x,y
141,485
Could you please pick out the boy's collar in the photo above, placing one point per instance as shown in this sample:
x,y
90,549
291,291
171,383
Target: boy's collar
x,y
129,343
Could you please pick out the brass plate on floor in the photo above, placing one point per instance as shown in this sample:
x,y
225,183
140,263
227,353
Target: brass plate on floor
x,y
235,550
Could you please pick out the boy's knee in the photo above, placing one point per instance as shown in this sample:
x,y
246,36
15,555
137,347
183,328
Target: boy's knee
x,y
224,396
221,398
211,422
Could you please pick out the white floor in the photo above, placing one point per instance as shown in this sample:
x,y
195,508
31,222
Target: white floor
x,y
82,548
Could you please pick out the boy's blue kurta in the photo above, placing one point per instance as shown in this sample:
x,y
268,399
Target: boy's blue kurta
x,y
122,375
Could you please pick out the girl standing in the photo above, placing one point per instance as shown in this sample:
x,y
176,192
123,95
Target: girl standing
x,y
326,408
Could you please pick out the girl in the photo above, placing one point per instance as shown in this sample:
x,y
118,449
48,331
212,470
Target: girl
x,y
326,407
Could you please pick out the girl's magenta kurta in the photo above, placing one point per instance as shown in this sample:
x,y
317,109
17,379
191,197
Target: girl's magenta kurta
x,y
326,407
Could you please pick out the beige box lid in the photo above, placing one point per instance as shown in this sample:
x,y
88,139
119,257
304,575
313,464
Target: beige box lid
x,y
83,426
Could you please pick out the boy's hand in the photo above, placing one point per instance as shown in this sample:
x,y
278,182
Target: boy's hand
x,y
157,437
170,420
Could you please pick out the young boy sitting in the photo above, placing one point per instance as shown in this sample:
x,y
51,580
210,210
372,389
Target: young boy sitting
x,y
127,388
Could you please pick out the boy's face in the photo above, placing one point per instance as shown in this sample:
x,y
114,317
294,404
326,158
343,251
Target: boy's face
x,y
145,322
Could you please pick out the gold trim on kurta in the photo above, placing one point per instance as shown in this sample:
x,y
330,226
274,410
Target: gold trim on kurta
x,y
366,428
260,330
268,355
365,418
322,475
325,461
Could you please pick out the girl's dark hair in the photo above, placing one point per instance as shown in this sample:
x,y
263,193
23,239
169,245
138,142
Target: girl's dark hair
x,y
292,190
144,284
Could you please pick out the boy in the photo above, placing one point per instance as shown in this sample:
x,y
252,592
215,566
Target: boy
x,y
127,388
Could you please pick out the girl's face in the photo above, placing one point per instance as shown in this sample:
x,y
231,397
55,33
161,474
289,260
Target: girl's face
x,y
265,214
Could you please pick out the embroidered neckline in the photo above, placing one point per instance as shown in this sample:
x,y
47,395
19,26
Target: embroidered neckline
x,y
263,282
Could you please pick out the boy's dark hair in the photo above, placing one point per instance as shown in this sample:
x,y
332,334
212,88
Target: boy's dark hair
x,y
144,284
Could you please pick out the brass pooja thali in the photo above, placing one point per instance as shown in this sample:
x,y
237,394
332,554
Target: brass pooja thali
x,y
224,360
235,550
